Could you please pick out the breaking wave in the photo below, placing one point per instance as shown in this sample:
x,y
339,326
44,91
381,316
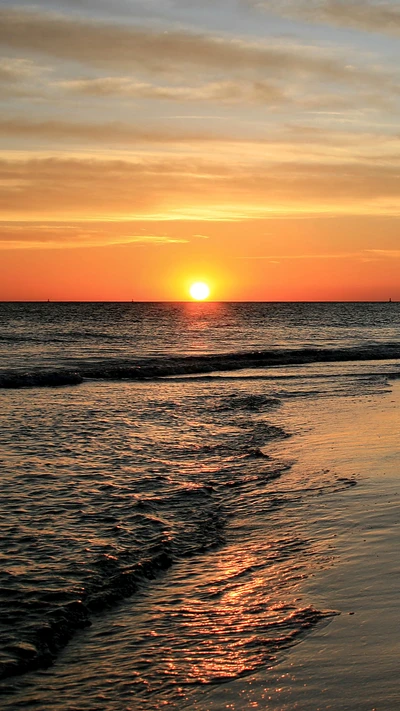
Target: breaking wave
x,y
167,366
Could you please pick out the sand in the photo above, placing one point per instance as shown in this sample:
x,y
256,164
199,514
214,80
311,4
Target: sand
x,y
351,662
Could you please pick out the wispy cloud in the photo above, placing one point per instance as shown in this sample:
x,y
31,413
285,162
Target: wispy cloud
x,y
115,46
284,144
16,69
228,92
195,189
395,253
378,16
276,259
55,235
114,132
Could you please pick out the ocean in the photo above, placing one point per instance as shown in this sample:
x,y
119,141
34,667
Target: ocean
x,y
154,529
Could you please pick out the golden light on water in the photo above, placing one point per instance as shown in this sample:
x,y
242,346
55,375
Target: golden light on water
x,y
199,291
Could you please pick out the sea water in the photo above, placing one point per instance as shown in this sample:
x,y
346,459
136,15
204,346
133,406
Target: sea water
x,y
153,539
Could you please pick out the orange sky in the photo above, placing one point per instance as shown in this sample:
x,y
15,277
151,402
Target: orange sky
x,y
167,143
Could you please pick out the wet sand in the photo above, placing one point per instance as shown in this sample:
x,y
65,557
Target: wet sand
x,y
351,662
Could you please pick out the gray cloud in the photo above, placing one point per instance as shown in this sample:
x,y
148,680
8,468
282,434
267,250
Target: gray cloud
x,y
381,17
287,139
140,49
116,8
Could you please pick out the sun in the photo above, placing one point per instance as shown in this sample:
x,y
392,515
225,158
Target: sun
x,y
199,291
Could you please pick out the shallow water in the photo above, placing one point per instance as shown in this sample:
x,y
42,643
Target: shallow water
x,y
156,533
350,664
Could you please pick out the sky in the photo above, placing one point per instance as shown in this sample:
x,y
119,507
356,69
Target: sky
x,y
250,144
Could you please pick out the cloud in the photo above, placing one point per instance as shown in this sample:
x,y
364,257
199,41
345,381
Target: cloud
x,y
15,70
233,92
276,259
280,144
192,188
18,78
113,132
57,235
221,92
128,8
391,253
101,44
383,17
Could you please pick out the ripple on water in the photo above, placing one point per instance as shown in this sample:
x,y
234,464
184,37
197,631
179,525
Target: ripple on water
x,y
103,500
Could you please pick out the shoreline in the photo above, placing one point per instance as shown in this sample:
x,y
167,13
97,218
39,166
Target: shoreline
x,y
338,439
350,662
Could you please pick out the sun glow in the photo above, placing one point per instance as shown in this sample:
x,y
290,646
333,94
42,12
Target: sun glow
x,y
199,291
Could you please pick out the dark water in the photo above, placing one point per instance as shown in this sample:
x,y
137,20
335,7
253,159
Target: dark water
x,y
94,338
152,537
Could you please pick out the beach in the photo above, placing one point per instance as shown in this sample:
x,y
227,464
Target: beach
x,y
218,534
199,355
351,663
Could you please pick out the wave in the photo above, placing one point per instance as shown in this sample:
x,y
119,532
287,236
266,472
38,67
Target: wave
x,y
167,366
59,625
192,522
45,378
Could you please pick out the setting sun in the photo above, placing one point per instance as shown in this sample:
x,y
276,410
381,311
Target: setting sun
x,y
199,291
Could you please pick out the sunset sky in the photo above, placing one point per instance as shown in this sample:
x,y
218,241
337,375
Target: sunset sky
x,y
250,144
